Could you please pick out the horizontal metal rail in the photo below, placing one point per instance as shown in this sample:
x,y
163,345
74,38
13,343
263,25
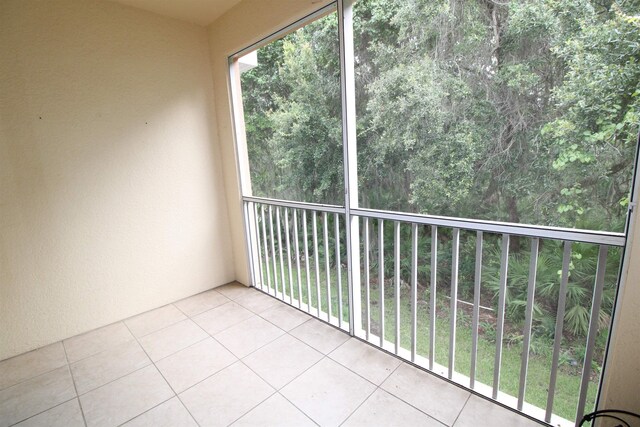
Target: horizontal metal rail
x,y
296,205
556,233
528,230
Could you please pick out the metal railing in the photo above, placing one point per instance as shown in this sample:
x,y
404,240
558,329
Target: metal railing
x,y
297,253
299,245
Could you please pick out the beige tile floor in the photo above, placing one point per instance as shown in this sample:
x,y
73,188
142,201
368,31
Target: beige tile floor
x,y
229,356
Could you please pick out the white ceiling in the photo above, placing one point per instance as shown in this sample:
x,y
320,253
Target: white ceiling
x,y
202,12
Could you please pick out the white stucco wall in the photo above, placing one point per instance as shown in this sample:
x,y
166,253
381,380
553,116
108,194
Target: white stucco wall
x,y
621,382
112,198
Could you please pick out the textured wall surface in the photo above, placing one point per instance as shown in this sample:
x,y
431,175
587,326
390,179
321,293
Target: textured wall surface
x,y
621,384
111,192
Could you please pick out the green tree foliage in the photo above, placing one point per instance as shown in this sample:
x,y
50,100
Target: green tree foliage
x,y
293,117
529,108
522,111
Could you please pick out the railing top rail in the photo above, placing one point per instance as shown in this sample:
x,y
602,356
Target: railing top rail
x,y
295,205
546,232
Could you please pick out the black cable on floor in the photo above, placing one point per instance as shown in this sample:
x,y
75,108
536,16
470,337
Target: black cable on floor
x,y
607,413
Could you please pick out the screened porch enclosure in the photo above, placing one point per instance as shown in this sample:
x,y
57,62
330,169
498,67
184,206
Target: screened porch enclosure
x,y
516,312
299,258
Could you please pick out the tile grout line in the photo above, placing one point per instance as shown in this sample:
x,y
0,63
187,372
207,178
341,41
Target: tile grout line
x,y
278,391
114,380
359,405
101,351
254,350
259,314
177,351
409,403
360,375
73,380
166,382
133,338
296,377
461,409
222,345
121,376
372,393
391,393
40,374
240,360
324,356
204,379
230,326
190,316
257,404
295,406
136,338
42,412
275,308
218,371
31,378
111,324
156,330
327,355
142,413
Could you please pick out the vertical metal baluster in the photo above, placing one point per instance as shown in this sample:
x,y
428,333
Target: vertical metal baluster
x,y
504,266
266,252
593,329
528,320
414,291
282,279
557,338
316,260
305,236
259,246
297,253
453,315
381,277
367,284
396,247
336,219
325,229
249,241
273,253
288,238
476,309
432,297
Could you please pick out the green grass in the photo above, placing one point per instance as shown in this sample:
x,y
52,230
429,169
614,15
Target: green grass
x,y
568,379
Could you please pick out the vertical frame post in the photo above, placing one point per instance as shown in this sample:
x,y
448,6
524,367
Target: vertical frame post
x,y
242,162
348,90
